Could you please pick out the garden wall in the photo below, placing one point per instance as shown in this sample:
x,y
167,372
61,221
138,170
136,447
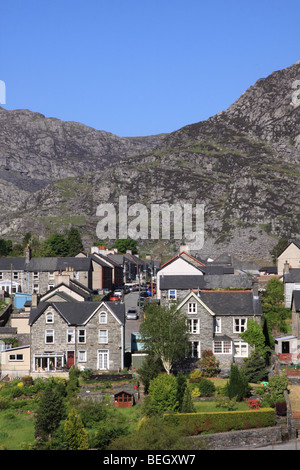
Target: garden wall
x,y
238,439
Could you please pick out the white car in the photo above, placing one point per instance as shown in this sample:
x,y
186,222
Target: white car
x,y
132,314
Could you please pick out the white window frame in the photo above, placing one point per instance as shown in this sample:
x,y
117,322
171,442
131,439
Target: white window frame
x,y
238,327
239,347
103,359
103,336
16,357
35,275
81,334
82,356
49,318
218,325
170,296
1,275
71,336
51,275
192,307
224,347
49,334
195,347
103,317
194,326
15,275
36,288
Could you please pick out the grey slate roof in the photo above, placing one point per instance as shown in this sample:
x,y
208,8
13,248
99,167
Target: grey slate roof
x,y
292,276
77,313
16,264
58,264
205,281
232,302
296,298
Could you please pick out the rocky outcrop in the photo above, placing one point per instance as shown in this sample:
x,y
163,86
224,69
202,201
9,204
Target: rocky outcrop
x,y
242,164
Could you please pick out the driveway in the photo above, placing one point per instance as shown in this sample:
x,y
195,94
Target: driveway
x,y
131,326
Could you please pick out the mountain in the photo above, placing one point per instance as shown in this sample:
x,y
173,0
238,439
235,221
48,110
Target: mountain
x,y
242,164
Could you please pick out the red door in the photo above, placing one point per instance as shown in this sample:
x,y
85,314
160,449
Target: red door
x,y
70,359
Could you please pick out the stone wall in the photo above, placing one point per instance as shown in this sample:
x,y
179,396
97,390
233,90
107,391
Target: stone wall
x,y
238,439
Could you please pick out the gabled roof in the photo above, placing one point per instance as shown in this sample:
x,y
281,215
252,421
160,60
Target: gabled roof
x,y
186,257
78,313
228,302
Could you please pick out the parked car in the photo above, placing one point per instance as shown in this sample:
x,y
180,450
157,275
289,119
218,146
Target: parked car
x,y
114,298
132,314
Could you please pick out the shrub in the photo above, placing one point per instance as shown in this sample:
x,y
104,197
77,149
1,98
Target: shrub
x,y
208,364
206,388
277,385
163,393
238,385
195,376
195,423
281,408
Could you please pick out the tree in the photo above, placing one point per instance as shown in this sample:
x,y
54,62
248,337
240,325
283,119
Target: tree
x,y
165,334
274,311
124,244
254,336
254,368
150,369
187,402
55,245
74,241
75,432
237,387
163,394
50,412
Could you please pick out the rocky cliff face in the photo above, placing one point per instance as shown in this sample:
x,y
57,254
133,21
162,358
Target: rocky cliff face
x,y
242,164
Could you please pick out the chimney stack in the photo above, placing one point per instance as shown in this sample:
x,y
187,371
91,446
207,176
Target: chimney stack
x,y
28,253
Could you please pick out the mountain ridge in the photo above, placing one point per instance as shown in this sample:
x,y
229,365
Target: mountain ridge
x,y
243,164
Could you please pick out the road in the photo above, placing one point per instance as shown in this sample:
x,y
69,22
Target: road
x,y
131,326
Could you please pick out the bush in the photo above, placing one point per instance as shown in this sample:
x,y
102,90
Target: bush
x,y
196,423
281,408
195,376
206,388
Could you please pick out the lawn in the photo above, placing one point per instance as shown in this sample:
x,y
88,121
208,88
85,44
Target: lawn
x,y
16,428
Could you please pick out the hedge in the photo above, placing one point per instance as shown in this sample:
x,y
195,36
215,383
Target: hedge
x,y
219,421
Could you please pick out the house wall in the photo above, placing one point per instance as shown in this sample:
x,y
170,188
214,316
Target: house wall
x,y
91,346
15,368
176,267
292,255
207,335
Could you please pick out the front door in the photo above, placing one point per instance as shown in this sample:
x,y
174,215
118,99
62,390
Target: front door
x,y
70,359
285,347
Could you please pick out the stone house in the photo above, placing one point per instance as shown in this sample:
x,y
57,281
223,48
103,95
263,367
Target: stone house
x,y
87,335
216,318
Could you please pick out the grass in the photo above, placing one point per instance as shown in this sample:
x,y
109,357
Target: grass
x,y
16,429
211,406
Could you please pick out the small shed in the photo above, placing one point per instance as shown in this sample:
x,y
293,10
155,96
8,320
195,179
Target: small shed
x,y
126,396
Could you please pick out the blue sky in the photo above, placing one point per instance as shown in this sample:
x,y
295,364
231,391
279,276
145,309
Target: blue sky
x,y
138,67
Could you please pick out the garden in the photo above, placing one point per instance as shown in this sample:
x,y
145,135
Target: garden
x,y
50,414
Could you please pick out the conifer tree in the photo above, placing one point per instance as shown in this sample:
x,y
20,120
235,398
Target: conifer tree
x,y
75,433
187,402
